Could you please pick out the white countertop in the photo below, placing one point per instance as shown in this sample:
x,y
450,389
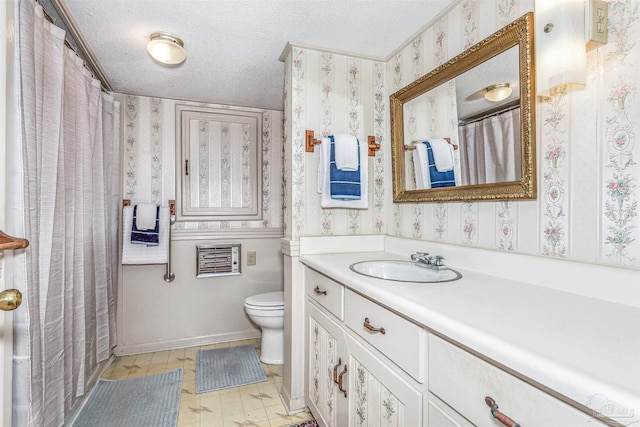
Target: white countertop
x,y
578,346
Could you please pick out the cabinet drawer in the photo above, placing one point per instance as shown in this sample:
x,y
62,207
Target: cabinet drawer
x,y
462,381
326,292
402,341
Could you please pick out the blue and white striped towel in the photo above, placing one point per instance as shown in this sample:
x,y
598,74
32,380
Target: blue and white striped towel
x,y
439,179
324,185
145,237
344,184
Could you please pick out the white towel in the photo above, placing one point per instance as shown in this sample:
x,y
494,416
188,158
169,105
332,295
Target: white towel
x,y
421,166
142,254
346,154
323,163
326,201
146,216
442,154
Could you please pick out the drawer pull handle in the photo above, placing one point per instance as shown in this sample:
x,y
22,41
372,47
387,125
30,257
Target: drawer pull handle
x,y
499,415
340,381
318,291
370,328
335,370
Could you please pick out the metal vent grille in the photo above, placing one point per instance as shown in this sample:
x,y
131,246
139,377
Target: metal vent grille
x,y
218,260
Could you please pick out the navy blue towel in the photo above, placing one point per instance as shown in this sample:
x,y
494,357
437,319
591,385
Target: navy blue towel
x,y
145,237
439,179
343,185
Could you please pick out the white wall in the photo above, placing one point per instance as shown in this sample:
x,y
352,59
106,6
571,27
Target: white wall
x,y
155,315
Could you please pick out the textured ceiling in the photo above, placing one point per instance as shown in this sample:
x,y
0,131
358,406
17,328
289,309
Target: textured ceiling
x,y
233,46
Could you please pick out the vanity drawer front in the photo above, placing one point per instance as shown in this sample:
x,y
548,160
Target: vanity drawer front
x,y
463,380
326,292
402,342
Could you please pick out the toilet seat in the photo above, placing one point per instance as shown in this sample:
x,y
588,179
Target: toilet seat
x,y
267,302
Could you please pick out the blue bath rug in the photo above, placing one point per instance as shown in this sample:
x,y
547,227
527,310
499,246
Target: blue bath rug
x,y
151,401
228,367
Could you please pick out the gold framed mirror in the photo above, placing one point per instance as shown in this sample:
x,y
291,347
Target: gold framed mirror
x,y
484,149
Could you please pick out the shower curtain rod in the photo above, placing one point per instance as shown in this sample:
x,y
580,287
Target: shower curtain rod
x,y
81,48
490,113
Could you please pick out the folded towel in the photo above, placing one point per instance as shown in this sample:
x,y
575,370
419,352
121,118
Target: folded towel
x,y
442,154
343,184
346,152
326,201
439,179
145,216
323,163
140,253
421,166
147,237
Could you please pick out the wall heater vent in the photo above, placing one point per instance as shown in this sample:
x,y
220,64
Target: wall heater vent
x,y
218,260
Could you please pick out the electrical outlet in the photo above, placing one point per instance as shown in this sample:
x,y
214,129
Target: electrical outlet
x,y
251,258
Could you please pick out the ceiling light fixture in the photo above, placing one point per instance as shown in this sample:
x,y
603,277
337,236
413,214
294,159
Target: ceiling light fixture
x,y
166,48
498,92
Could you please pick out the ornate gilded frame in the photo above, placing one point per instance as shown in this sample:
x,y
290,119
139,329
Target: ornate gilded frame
x,y
518,33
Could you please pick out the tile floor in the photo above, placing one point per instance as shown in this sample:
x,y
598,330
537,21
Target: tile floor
x,y
254,405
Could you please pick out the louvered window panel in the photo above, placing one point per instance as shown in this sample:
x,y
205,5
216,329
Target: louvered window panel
x,y
218,260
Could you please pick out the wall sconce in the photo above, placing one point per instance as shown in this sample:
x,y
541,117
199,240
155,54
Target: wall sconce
x,y
560,46
166,48
565,31
497,92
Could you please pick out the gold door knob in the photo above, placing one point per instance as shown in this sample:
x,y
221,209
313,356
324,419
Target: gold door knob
x,y
10,299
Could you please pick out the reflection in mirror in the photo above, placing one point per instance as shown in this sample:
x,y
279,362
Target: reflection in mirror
x,y
220,155
490,133
489,127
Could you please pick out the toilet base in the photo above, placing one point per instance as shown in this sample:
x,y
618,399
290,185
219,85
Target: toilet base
x,y
272,346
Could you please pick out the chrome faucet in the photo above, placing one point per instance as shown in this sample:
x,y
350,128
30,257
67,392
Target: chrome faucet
x,y
423,259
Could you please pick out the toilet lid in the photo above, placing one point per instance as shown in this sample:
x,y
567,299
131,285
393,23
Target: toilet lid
x,y
269,299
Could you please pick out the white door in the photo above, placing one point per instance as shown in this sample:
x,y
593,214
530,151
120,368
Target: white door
x,y
7,46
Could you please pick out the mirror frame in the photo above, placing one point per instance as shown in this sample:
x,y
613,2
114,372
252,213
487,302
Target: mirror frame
x,y
517,33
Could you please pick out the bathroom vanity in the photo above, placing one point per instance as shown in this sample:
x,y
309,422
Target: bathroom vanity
x,y
388,353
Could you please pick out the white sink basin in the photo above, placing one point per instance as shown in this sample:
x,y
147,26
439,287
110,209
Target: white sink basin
x,y
403,271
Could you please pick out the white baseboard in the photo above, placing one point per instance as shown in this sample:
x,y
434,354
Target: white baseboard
x,y
292,406
126,350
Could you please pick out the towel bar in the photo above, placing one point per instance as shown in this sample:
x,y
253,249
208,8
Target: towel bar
x,y
311,142
168,276
413,147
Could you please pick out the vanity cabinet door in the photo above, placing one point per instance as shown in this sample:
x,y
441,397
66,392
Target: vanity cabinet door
x,y
379,395
462,381
327,357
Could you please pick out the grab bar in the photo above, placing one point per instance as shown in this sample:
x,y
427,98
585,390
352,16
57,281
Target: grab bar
x,y
169,276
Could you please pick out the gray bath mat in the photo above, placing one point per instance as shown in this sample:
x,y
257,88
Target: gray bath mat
x,y
227,367
148,401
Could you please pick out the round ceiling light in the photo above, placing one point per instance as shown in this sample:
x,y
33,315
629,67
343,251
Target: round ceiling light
x,y
166,48
498,92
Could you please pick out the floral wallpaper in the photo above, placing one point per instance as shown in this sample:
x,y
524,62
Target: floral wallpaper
x,y
587,204
331,93
150,153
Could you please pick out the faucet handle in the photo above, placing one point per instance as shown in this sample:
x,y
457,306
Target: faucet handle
x,y
419,255
438,261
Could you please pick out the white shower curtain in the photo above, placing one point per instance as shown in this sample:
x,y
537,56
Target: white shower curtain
x,y
490,149
69,159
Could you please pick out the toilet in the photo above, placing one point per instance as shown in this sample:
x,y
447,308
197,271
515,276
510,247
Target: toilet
x,y
267,311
